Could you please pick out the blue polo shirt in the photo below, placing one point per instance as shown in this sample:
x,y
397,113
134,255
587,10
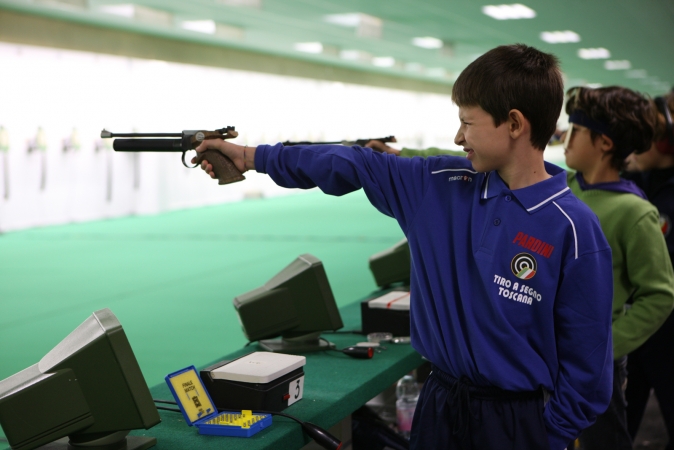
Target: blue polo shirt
x,y
511,288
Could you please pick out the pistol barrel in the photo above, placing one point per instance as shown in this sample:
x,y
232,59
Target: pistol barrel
x,y
147,145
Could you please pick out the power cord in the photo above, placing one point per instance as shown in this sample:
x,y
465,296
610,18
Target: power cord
x,y
318,434
353,351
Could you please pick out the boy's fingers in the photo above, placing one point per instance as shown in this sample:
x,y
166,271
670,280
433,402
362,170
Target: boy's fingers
x,y
379,146
215,144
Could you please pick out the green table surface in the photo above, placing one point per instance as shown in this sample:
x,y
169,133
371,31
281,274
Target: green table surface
x,y
335,385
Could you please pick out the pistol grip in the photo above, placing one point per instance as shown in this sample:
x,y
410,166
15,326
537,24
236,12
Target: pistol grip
x,y
223,167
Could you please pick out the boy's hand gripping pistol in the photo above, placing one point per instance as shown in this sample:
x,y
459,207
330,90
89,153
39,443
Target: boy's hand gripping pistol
x,y
223,167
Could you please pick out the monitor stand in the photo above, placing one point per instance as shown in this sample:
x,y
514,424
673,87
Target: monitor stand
x,y
300,344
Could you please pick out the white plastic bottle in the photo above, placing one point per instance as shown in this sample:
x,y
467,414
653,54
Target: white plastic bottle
x,y
407,394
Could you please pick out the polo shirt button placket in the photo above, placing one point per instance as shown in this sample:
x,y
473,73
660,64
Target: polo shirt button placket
x,y
497,222
508,198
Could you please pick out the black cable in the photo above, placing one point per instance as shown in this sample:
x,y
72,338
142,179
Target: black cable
x,y
167,409
353,351
331,346
343,332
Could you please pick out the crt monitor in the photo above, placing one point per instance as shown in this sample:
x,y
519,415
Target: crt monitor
x,y
392,265
89,388
297,305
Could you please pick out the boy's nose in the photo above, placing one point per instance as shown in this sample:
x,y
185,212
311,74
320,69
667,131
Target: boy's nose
x,y
459,139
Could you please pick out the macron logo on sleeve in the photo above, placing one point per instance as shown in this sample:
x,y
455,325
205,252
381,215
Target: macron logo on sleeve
x,y
458,177
534,245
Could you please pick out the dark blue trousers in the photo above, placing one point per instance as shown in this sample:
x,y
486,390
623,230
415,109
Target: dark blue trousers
x,y
453,414
652,366
609,432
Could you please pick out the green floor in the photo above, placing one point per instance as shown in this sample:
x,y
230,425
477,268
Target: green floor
x,y
170,278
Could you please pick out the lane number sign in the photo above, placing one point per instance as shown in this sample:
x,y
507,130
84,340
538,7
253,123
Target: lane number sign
x,y
296,390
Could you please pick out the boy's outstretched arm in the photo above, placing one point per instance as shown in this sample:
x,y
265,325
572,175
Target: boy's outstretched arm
x,y
395,186
584,347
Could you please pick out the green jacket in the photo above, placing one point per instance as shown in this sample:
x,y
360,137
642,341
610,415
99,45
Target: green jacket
x,y
433,151
642,269
553,156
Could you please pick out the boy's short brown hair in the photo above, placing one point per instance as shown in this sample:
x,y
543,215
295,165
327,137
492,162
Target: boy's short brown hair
x,y
628,116
515,77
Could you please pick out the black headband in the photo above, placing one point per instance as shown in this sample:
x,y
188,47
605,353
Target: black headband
x,y
580,118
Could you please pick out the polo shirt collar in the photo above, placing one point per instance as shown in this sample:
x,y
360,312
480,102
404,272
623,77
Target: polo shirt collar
x,y
533,197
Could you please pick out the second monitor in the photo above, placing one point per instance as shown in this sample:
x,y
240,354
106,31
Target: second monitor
x,y
297,304
392,265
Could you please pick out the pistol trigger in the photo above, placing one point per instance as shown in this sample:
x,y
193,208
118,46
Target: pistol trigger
x,y
185,162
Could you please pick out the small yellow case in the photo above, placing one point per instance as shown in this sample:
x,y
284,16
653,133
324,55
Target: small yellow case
x,y
199,411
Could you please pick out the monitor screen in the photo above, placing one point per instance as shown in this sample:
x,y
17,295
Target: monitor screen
x,y
392,265
296,304
89,388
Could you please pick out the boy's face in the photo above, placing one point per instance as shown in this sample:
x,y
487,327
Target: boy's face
x,y
487,146
581,152
647,160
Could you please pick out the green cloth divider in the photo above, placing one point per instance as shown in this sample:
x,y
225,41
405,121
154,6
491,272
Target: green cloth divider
x,y
170,278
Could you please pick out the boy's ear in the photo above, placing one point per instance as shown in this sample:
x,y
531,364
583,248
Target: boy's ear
x,y
517,123
605,143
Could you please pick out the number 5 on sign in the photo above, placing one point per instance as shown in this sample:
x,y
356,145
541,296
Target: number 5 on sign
x,y
296,390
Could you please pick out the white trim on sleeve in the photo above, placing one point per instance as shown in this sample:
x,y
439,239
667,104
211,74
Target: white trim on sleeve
x,y
573,226
453,170
486,186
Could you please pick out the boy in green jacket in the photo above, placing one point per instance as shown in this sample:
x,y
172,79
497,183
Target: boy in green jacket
x,y
606,125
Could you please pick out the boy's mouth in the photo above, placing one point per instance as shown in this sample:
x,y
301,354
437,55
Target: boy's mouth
x,y
469,152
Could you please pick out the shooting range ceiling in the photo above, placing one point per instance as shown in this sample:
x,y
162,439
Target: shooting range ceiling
x,y
624,42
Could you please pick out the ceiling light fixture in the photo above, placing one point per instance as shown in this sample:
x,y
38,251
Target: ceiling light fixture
x,y
141,13
427,42
365,25
636,73
77,4
384,61
309,47
119,10
414,67
438,72
201,26
560,37
593,53
214,28
355,55
508,12
617,65
257,4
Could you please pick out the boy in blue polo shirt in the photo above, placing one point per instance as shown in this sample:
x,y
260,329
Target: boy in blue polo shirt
x,y
511,274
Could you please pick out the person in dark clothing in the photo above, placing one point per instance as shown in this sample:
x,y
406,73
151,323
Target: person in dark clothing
x,y
651,366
